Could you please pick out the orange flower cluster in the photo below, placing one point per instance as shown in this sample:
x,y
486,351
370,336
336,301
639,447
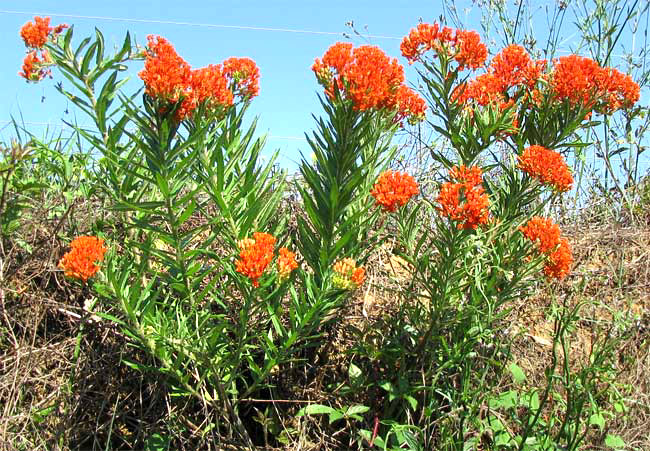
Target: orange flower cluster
x,y
166,75
559,261
368,77
208,86
410,105
255,256
286,263
35,35
169,78
244,76
35,68
547,166
347,276
584,83
463,198
546,234
257,253
82,260
394,189
463,46
510,68
514,67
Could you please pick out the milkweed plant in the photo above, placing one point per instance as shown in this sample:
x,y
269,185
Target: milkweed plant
x,y
210,281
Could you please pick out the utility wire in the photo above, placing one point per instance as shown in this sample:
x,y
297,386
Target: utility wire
x,y
235,27
191,24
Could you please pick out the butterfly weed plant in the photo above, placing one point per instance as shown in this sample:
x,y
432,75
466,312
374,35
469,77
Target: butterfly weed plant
x,y
210,283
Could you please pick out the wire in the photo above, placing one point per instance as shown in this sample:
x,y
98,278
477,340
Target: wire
x,y
193,24
236,27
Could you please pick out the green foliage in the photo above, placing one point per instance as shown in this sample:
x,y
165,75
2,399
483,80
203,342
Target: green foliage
x,y
349,148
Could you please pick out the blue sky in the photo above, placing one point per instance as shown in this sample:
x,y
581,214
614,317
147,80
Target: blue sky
x,y
289,90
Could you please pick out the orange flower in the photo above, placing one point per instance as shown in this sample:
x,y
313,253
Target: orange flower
x,y
559,261
169,78
620,90
582,82
547,166
166,75
510,68
35,34
286,263
82,260
244,76
35,68
423,38
394,189
484,90
574,79
255,256
470,51
369,78
514,67
347,276
542,231
208,86
410,105
463,199
463,46
547,237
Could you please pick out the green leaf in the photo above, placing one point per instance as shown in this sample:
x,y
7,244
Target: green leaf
x,y
505,400
517,373
355,410
99,38
157,442
40,415
597,419
315,409
614,441
412,401
336,415
354,374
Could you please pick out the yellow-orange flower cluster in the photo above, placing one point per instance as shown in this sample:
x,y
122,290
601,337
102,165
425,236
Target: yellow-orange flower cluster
x,y
546,234
256,254
463,199
286,263
169,78
394,189
584,83
347,276
547,166
369,78
82,260
35,35
465,47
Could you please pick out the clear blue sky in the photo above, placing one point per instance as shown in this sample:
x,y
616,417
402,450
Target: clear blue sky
x,y
288,88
